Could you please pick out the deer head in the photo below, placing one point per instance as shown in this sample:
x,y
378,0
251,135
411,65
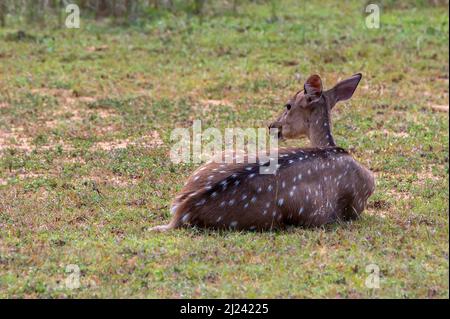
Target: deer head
x,y
307,113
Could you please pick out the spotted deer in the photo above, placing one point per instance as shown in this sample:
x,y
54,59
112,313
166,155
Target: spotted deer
x,y
311,186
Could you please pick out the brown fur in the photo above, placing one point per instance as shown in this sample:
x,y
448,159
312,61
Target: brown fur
x,y
311,187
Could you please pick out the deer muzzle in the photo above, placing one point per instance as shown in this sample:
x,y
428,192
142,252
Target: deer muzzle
x,y
276,129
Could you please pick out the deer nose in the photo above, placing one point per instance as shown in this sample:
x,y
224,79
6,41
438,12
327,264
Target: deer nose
x,y
275,125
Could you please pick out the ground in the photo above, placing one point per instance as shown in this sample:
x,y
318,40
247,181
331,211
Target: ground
x,y
85,122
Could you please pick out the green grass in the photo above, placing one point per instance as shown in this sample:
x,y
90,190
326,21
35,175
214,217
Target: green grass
x,y
70,195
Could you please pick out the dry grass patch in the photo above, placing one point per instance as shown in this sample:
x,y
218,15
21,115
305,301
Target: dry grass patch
x,y
104,178
15,139
151,140
440,108
4,105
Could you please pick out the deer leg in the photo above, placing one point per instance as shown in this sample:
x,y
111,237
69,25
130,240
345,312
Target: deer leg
x,y
346,208
179,218
161,228
174,223
354,209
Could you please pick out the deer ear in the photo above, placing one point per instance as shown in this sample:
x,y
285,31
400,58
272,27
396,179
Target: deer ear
x,y
313,86
345,89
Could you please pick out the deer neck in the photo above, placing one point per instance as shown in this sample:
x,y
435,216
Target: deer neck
x,y
320,128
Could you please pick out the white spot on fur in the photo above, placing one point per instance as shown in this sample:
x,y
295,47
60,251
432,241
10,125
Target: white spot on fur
x,y
185,218
201,202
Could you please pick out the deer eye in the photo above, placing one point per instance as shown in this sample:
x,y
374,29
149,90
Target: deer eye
x,y
288,106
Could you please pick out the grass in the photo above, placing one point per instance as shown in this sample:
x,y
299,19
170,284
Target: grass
x,y
85,122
